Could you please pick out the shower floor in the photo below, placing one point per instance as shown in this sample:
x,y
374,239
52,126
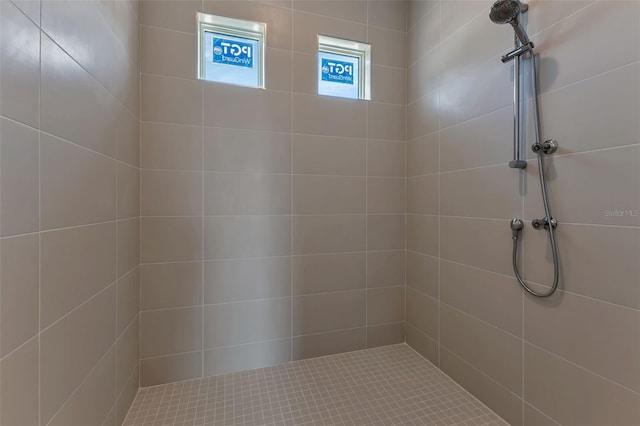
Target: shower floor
x,y
390,385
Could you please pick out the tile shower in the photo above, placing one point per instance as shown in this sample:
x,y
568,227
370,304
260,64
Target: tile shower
x,y
165,233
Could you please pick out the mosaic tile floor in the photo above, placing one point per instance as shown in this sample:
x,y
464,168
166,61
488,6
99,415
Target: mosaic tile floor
x,y
390,385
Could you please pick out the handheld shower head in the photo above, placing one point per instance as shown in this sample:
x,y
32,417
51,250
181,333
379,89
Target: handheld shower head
x,y
507,12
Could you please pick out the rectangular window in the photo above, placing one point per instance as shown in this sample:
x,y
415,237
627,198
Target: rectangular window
x,y
231,50
344,68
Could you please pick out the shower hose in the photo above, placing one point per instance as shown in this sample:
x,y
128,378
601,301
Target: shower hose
x,y
548,223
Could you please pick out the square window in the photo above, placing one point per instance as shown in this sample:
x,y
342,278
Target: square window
x,y
231,50
344,68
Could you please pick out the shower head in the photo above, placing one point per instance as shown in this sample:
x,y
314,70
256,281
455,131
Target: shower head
x,y
507,12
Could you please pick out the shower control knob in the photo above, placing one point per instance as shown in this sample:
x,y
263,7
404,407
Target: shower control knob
x,y
550,146
544,223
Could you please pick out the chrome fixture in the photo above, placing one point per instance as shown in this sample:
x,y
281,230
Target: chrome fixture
x,y
508,12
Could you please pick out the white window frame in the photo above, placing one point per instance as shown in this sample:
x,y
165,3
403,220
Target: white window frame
x,y
357,49
235,28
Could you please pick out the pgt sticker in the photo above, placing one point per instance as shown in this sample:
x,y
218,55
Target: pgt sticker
x,y
337,71
232,52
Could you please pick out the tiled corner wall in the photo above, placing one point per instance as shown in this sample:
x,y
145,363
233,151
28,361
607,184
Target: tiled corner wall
x,y
69,221
573,358
273,221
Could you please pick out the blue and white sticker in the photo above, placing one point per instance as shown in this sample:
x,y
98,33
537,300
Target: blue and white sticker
x,y
232,52
337,71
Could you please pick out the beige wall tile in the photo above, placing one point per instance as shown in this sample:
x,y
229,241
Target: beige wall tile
x,y
549,379
495,353
328,312
77,186
588,255
568,113
506,404
171,100
307,26
494,298
467,193
278,19
423,273
587,332
423,155
304,68
314,345
389,47
93,399
278,61
386,121
128,191
388,83
128,245
230,324
128,133
170,239
385,195
19,386
246,193
172,368
311,113
170,285
421,343
72,347
125,399
417,9
328,234
328,272
582,187
128,289
423,194
76,264
171,146
328,194
489,249
422,234
424,37
423,115
389,14
323,155
19,154
73,105
170,193
227,237
478,142
170,14
422,313
386,334
385,232
386,158
170,331
233,150
424,74
19,280
20,77
252,109
355,11
600,23
157,45
127,354
237,280
385,305
246,357
385,268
